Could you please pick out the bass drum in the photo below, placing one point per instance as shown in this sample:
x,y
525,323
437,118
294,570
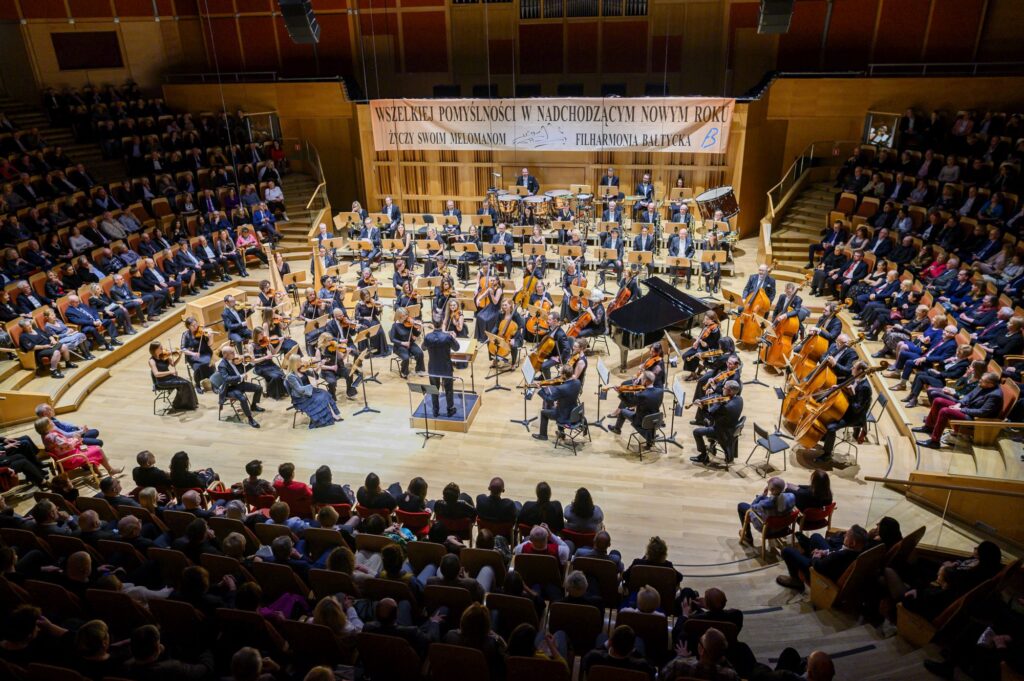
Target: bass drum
x,y
719,198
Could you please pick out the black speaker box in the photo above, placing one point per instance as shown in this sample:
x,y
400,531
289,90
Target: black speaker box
x,y
775,16
300,21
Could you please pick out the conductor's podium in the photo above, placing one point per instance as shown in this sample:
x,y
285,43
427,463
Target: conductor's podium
x,y
467,402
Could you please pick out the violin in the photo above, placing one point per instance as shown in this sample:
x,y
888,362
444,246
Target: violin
x,y
263,342
709,354
546,384
717,399
413,323
168,355
707,331
200,331
634,388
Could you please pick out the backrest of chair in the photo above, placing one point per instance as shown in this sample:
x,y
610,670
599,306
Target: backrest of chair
x,y
248,625
365,512
902,550
375,589
117,608
388,657
777,523
512,611
54,600
536,568
177,619
330,582
218,566
47,672
222,527
372,542
455,598
663,579
816,518
424,553
457,663
276,579
172,563
652,421
102,507
760,432
178,521
64,545
651,627
1011,393
320,539
58,500
579,539
695,628
606,673
502,529
143,514
473,560
606,573
536,669
865,568
24,539
581,624
268,532
415,521
314,643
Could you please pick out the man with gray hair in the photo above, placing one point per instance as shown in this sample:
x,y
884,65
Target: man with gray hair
x,y
828,560
1007,340
721,420
859,395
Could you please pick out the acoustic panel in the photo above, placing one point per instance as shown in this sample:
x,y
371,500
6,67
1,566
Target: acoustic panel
x,y
87,50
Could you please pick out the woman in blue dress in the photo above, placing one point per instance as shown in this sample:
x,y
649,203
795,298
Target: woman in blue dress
x,y
316,403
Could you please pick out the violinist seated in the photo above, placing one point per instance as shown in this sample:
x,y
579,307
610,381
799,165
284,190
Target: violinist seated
x,y
681,245
316,403
339,326
576,240
267,300
722,419
468,257
401,275
597,324
614,242
709,339
760,281
433,256
195,348
712,383
510,328
404,333
646,401
559,401
312,309
859,395
571,277
330,356
407,297
367,314
563,343
631,280
909,361
162,366
264,365
503,238
235,387
714,366
235,323
276,333
984,402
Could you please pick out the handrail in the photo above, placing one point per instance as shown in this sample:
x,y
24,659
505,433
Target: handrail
x,y
938,485
945,68
316,191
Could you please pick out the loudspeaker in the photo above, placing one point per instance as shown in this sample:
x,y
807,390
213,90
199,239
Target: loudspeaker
x,y
300,21
775,16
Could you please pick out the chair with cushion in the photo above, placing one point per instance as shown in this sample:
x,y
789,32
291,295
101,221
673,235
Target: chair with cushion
x,y
581,623
416,522
579,539
455,598
365,513
811,519
506,530
388,657
652,629
574,430
276,579
536,669
538,569
55,601
457,663
424,553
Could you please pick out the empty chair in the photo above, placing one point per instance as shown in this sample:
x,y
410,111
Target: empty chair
x,y
772,444
457,663
388,657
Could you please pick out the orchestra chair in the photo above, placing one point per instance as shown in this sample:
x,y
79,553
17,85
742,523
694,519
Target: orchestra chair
x,y
574,430
606,574
606,673
873,416
536,669
295,415
426,553
474,560
582,625
772,527
649,627
162,397
772,444
652,422
846,592
457,663
506,530
217,381
329,582
811,519
388,657
512,611
729,449
578,539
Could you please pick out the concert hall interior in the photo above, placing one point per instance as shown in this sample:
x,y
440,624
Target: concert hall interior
x,y
508,339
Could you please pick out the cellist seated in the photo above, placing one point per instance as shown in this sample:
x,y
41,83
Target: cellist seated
x,y
596,326
859,395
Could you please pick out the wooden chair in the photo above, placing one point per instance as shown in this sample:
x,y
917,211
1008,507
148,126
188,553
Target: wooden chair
x,y
24,540
276,579
606,673
55,601
474,560
816,518
59,501
845,593
172,563
268,532
178,521
773,527
538,569
119,610
512,611
606,574
120,553
222,527
218,566
48,672
330,582
581,624
418,523
251,628
388,657
900,553
695,628
144,516
536,669
371,542
986,432
64,546
506,530
179,621
424,553
320,539
315,644
365,513
375,589
664,579
579,539
12,595
455,598
652,628
457,663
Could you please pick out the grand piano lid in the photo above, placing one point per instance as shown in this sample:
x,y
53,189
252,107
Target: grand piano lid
x,y
663,306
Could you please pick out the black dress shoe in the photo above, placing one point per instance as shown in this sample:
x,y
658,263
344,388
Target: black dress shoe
x,y
257,409
823,459
89,356
538,436
930,444
56,374
71,365
116,343
252,422
450,413
614,429
921,429
699,459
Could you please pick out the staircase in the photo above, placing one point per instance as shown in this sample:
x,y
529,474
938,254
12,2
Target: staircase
x,y
297,188
801,224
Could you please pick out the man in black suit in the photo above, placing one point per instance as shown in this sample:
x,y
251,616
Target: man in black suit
x,y
723,417
841,356
234,322
827,561
788,304
29,300
643,241
828,326
371,233
503,238
235,386
613,213
153,279
110,490
563,344
1010,342
614,242
124,295
645,205
529,181
647,401
559,401
882,244
761,280
840,282
984,402
439,346
393,213
859,395
493,508
610,179
451,211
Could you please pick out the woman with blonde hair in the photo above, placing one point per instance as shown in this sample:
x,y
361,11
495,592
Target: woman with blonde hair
x,y
316,403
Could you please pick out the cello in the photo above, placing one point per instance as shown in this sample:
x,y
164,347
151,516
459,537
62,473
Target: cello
x,y
578,302
507,329
825,408
522,296
778,338
580,323
747,329
543,351
621,298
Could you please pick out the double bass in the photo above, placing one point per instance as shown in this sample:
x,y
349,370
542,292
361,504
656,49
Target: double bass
x,y
747,329
778,346
794,404
812,349
825,408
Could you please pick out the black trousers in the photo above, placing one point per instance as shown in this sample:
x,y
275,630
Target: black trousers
x,y
404,353
331,379
238,392
448,385
546,414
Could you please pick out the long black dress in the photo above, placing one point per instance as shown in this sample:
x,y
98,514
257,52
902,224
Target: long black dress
x,y
185,398
272,374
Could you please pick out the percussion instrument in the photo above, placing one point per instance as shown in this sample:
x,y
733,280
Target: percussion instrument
x,y
719,198
585,202
539,206
562,198
509,207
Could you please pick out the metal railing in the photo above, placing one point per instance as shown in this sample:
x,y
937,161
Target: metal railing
x,y
998,68
815,154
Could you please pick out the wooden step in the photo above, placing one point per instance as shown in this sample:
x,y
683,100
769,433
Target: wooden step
x,y
70,398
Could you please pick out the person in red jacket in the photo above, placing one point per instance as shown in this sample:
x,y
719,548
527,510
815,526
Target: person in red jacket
x,y
293,492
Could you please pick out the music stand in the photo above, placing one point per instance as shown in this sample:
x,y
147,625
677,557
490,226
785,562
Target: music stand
x,y
535,250
424,389
710,257
757,363
678,394
608,191
677,262
604,377
364,335
781,394
529,375
465,247
569,251
642,258
357,367
502,344
479,221
603,255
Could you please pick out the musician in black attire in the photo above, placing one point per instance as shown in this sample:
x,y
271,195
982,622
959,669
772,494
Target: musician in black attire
x,y
161,367
761,280
709,339
829,326
598,322
264,366
841,356
195,346
559,401
367,313
234,322
331,356
235,386
439,346
614,242
644,403
722,418
713,382
563,344
789,303
404,333
713,366
859,395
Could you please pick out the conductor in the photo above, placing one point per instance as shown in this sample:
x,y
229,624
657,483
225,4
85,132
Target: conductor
x,y
439,345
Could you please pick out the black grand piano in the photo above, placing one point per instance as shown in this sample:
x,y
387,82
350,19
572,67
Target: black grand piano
x,y
646,320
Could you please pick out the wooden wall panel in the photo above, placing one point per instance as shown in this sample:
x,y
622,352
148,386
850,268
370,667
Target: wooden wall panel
x,y
260,51
378,23
666,53
540,48
221,6
9,10
44,9
901,30
799,49
90,8
133,8
581,41
849,34
953,30
1000,39
624,47
503,55
295,58
335,44
222,37
704,49
425,49
181,8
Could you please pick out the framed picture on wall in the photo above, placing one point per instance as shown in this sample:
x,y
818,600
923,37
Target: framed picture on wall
x,y
881,128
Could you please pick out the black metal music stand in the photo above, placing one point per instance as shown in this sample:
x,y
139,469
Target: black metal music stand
x,y
357,366
678,400
364,335
528,377
603,378
425,390
781,394
757,370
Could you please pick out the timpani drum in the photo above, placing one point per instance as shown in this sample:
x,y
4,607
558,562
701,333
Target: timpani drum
x,y
509,207
585,203
560,198
719,198
538,206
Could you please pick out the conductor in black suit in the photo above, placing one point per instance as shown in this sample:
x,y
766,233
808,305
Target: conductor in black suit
x,y
559,401
859,395
723,418
439,346
648,401
761,280
529,181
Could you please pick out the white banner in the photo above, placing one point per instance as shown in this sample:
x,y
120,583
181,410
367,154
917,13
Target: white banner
x,y
697,125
